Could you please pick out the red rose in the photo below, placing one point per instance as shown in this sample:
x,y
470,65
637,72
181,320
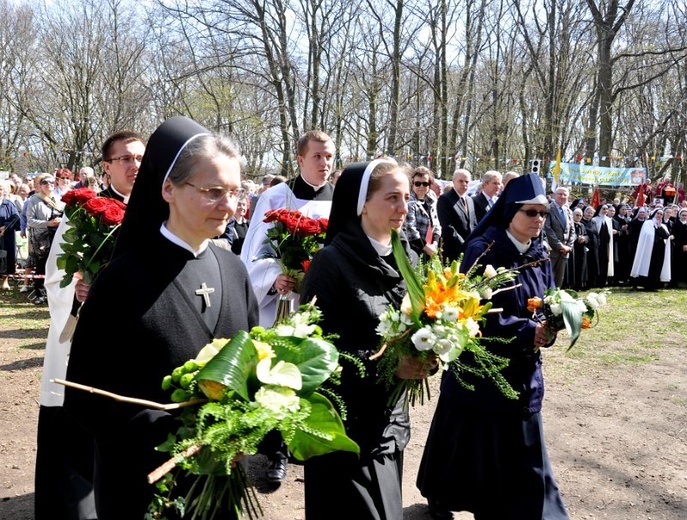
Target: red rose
x,y
113,215
308,227
78,197
324,224
305,264
95,206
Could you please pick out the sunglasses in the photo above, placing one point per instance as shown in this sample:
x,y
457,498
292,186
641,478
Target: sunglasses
x,y
47,182
417,184
533,213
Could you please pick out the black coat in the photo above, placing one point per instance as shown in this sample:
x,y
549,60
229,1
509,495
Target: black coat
x,y
354,286
141,320
456,223
481,206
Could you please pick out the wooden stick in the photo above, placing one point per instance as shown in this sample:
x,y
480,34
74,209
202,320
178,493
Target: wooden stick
x,y
132,400
168,466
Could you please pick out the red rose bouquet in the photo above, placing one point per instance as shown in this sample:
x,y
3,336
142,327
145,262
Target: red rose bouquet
x,y
89,240
293,239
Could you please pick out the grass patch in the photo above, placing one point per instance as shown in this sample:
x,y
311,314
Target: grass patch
x,y
22,322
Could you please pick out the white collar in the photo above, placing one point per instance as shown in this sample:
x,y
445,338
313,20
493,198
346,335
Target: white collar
x,y
382,250
125,197
312,185
176,240
522,247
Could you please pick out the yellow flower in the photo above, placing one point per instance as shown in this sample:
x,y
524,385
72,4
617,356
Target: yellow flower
x,y
264,350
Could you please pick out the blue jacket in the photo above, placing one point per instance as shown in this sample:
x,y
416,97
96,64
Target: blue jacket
x,y
524,369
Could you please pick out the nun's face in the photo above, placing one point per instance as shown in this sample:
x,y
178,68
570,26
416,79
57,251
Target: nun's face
x,y
386,208
201,208
528,222
317,162
588,212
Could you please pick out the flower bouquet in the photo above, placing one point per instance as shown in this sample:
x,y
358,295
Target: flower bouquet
x,y
89,241
566,309
439,318
240,390
294,239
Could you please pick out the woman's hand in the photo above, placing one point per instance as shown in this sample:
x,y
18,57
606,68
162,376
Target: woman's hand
x,y
543,336
412,367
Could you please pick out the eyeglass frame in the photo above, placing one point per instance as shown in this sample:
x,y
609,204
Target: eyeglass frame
x,y
126,159
423,184
531,213
236,194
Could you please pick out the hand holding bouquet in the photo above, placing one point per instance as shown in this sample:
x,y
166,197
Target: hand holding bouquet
x,y
439,318
89,241
565,309
256,382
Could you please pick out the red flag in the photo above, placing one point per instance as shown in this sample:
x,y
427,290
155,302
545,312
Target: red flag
x,y
596,198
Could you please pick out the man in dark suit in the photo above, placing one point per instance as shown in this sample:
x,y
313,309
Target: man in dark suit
x,y
560,233
456,213
490,187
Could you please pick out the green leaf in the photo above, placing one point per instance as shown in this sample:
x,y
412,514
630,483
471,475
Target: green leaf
x,y
233,365
413,284
315,358
572,317
324,419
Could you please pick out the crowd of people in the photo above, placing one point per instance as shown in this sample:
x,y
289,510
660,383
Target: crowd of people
x,y
191,221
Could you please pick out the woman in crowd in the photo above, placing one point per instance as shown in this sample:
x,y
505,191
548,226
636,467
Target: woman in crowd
x,y
679,266
9,225
577,262
422,223
592,247
622,240
238,226
485,453
651,265
354,278
185,193
604,229
43,215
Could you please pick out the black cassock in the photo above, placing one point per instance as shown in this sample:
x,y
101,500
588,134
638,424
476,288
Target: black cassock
x,y
142,319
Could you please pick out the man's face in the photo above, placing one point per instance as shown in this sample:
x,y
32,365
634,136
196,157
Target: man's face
x,y
561,197
492,187
461,182
317,162
123,163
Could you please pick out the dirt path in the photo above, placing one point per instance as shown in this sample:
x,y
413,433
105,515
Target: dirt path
x,y
617,436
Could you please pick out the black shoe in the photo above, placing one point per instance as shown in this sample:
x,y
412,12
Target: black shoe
x,y
276,473
438,511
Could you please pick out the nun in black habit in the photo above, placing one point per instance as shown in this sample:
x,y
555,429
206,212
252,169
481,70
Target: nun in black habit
x,y
355,278
485,453
167,293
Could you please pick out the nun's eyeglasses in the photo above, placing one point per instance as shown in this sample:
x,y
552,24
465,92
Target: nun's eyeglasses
x,y
533,213
216,194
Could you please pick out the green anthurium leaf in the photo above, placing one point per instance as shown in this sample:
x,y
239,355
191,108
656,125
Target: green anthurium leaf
x,y
314,357
324,419
572,317
231,367
414,286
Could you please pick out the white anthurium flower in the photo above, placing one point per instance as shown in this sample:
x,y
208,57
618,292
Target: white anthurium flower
x,y
582,306
592,300
284,330
489,271
406,307
423,339
303,330
556,309
278,399
282,374
206,354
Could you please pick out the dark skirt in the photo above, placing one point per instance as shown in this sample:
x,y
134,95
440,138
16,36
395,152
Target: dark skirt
x,y
495,466
341,485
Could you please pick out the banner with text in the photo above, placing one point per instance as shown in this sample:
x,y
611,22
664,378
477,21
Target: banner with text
x,y
573,173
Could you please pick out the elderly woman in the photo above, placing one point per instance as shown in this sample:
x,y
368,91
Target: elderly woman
x,y
186,192
43,215
485,453
355,278
422,223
